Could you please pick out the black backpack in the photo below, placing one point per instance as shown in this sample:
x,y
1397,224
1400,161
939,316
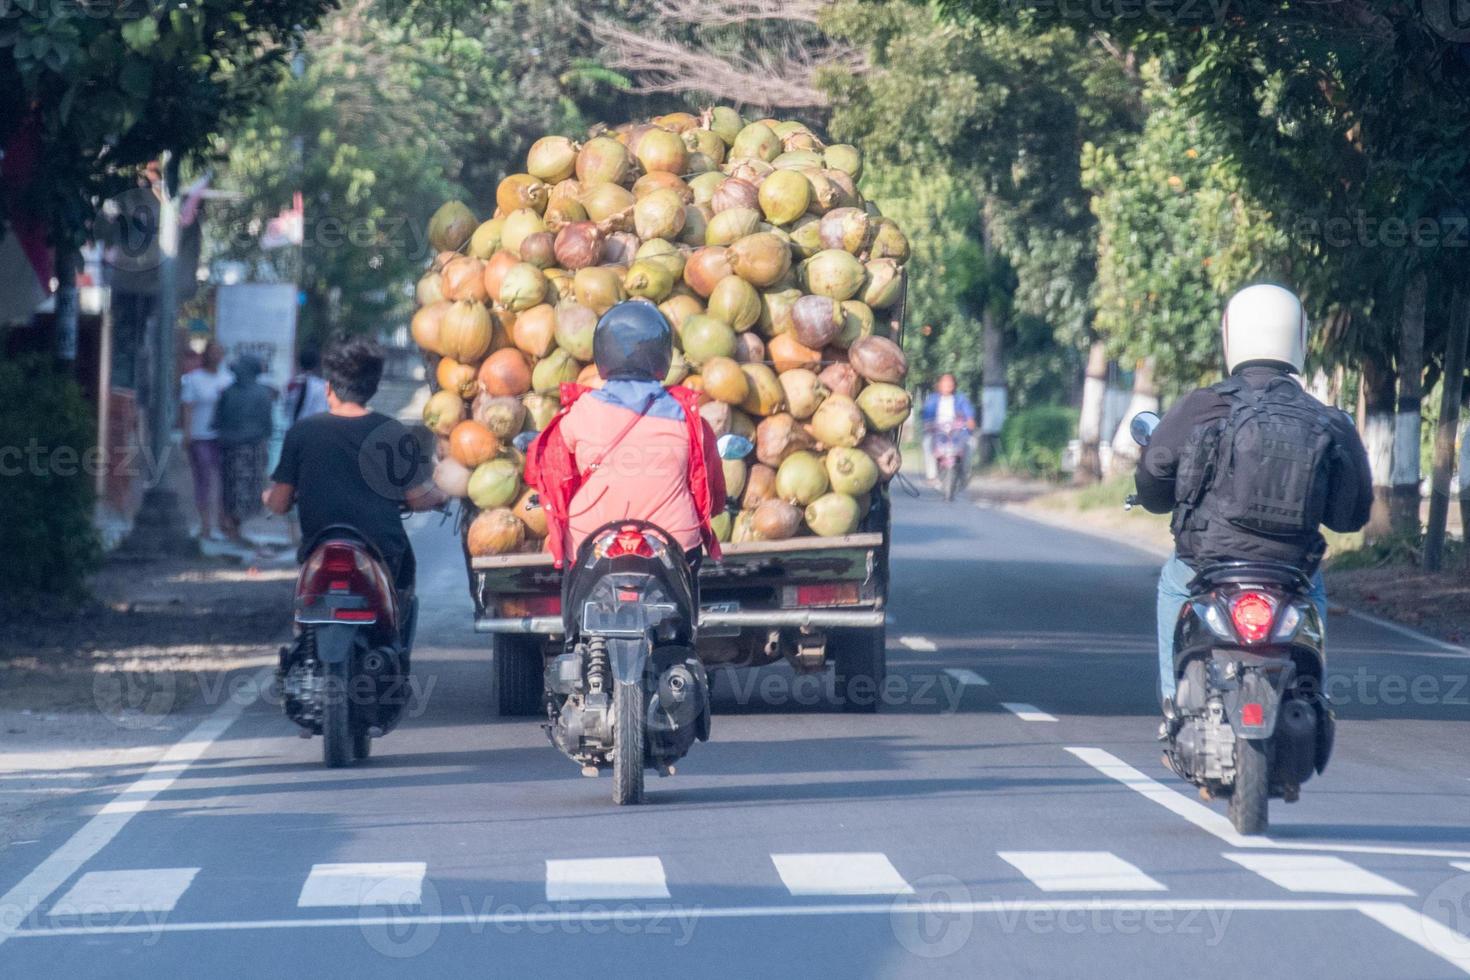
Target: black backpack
x,y
1264,468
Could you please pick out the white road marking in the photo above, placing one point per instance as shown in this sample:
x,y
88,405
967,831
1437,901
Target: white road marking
x,y
604,878
966,677
1216,823
133,890
1429,934
1386,912
355,885
1462,865
1080,871
1317,873
1412,634
840,874
918,643
1026,712
21,900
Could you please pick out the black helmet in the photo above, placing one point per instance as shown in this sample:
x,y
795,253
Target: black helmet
x,y
633,340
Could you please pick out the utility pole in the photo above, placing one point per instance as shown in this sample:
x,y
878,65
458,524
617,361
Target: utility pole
x,y
159,528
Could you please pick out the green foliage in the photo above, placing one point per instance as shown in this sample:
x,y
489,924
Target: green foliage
x,y
939,214
1177,234
46,532
1033,439
112,85
383,125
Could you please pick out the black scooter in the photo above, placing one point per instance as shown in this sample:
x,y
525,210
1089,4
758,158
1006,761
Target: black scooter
x,y
345,677
629,693
1249,719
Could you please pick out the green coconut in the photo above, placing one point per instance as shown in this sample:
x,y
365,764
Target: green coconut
x,y
851,470
705,337
884,406
835,273
553,370
833,515
496,483
801,477
736,302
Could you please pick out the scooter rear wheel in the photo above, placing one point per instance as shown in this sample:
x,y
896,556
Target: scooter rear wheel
x,y
629,711
1251,795
337,747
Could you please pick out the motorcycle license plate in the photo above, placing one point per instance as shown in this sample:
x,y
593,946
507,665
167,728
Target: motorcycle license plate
x,y
624,619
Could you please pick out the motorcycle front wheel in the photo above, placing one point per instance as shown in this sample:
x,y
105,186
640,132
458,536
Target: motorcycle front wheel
x,y
629,710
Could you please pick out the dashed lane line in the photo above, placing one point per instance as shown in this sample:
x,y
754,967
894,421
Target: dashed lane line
x,y
1027,712
1316,873
1080,871
397,883
966,677
1216,823
918,643
18,903
580,879
112,892
840,873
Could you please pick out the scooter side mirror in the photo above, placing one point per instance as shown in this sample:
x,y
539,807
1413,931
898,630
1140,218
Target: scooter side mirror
x,y
1142,427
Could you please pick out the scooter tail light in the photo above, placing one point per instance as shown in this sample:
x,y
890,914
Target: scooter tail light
x,y
1252,614
626,543
1252,714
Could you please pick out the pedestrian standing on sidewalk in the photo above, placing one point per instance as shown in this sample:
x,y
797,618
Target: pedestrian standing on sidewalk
x,y
199,391
243,420
306,394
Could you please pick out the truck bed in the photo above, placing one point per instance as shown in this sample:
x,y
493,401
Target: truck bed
x,y
753,584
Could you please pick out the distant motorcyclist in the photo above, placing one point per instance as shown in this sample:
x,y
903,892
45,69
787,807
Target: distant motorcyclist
x,y
631,449
1252,465
943,409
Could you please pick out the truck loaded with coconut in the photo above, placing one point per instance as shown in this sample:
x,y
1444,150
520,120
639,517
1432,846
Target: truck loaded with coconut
x,y
785,289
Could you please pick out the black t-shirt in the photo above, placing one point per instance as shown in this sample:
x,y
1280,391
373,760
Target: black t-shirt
x,y
354,471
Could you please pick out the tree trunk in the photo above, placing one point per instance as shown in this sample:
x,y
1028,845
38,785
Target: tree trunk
x,y
1444,436
1404,501
1089,425
1378,393
67,303
993,391
1145,399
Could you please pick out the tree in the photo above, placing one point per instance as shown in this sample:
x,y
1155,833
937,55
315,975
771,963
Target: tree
x,y
382,125
109,87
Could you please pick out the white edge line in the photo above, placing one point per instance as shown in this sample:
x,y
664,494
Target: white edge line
x,y
107,823
1214,823
901,904
1410,632
1428,934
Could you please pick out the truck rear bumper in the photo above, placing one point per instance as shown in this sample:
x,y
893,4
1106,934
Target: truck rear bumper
x,y
741,618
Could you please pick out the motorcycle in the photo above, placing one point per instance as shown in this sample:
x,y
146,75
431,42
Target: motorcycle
x,y
345,677
628,693
949,444
1249,720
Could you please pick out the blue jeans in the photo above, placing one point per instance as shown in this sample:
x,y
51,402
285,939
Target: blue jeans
x,y
1174,581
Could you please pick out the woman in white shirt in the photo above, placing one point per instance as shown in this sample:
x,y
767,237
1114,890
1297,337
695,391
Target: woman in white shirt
x,y
199,392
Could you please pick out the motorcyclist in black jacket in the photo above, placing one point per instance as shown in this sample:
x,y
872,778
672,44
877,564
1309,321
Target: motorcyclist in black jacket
x,y
1264,331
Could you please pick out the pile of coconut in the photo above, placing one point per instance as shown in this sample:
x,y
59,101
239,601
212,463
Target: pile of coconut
x,y
782,284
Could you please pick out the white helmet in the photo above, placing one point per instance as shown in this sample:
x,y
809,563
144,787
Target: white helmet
x,y
1264,322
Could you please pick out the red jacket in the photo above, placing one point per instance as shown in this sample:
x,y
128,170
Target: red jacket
x,y
552,469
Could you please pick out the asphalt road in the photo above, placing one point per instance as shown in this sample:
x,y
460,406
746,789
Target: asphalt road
x,y
1005,814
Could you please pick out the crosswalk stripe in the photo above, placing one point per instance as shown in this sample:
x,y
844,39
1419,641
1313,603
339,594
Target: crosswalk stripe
x,y
355,885
579,879
1316,873
919,643
966,677
133,890
840,874
1080,871
1026,712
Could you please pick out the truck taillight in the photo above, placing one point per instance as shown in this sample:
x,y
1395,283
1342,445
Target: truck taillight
x,y
1252,614
531,606
834,594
